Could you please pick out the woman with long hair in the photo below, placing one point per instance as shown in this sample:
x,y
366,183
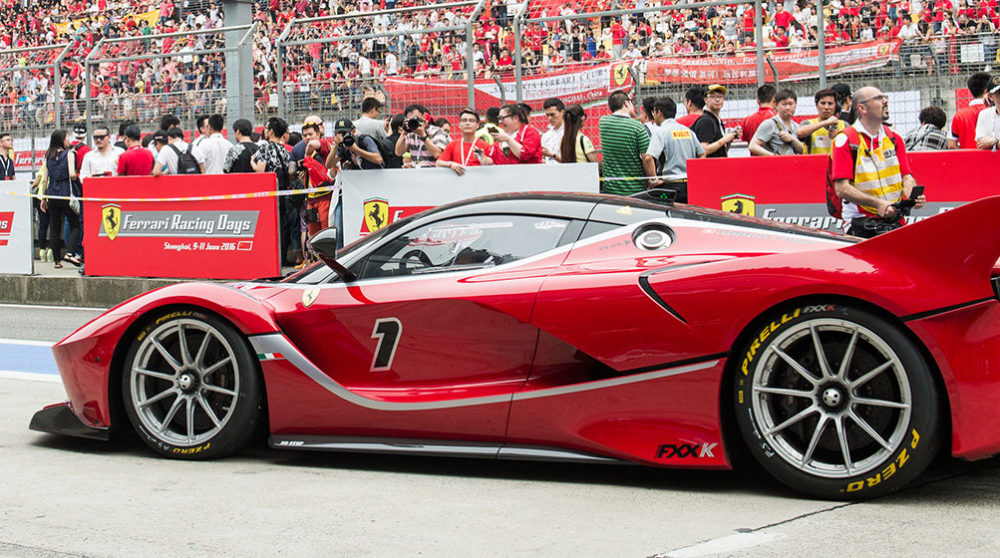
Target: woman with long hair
x,y
60,164
576,147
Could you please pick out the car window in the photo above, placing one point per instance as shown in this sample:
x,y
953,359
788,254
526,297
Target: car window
x,y
463,242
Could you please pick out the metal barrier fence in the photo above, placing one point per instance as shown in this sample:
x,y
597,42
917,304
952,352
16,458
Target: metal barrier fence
x,y
144,78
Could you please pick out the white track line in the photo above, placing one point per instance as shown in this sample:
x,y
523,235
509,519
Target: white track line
x,y
44,307
26,342
722,545
31,376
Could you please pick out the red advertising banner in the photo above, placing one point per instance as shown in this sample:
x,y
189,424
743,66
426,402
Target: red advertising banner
x,y
23,162
741,68
207,239
791,189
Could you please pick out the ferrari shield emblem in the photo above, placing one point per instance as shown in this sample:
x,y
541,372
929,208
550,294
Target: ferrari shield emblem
x,y
111,219
739,203
309,296
376,213
620,73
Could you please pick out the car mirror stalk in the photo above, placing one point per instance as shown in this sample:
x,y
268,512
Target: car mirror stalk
x,y
325,246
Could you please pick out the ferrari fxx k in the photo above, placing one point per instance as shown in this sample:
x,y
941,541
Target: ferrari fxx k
x,y
575,327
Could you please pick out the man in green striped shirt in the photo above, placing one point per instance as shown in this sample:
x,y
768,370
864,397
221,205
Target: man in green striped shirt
x,y
623,141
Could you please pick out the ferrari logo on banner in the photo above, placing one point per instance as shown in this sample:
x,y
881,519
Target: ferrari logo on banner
x,y
309,296
620,73
111,219
739,203
376,213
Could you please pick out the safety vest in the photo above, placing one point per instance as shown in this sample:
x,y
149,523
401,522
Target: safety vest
x,y
820,142
876,172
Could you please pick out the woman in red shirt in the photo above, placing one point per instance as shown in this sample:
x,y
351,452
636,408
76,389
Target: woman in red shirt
x,y
519,142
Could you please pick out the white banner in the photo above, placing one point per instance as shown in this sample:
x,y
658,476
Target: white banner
x,y
374,198
15,227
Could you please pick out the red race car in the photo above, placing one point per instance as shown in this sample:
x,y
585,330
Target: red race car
x,y
575,327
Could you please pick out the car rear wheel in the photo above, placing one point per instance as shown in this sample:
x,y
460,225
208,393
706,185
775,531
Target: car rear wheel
x,y
837,403
191,386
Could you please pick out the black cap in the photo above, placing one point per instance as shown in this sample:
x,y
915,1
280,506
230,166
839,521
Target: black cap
x,y
994,84
842,90
80,129
160,136
342,125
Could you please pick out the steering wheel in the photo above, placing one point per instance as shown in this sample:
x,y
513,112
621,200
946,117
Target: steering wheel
x,y
404,261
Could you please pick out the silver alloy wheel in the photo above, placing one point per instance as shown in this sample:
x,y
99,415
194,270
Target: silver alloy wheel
x,y
184,382
831,398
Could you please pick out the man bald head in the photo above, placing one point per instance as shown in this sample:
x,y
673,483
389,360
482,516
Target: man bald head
x,y
872,107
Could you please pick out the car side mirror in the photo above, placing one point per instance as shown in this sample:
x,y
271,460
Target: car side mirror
x,y
324,243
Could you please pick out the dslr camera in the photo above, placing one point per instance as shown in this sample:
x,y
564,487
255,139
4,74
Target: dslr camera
x,y
413,124
348,140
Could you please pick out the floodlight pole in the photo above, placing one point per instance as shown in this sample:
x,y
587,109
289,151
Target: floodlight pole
x,y
239,61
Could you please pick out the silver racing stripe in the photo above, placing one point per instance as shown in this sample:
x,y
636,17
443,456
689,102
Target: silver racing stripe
x,y
278,343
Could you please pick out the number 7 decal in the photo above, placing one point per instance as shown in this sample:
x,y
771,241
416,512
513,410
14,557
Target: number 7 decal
x,y
387,331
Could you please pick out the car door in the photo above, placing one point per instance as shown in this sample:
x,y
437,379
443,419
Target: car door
x,y
435,334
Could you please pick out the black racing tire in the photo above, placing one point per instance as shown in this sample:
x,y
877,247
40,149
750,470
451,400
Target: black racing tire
x,y
192,387
833,431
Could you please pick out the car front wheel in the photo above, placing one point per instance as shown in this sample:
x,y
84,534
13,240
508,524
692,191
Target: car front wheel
x,y
191,386
836,402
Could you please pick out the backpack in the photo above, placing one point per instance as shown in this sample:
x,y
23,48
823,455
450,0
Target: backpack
x,y
386,148
186,163
834,204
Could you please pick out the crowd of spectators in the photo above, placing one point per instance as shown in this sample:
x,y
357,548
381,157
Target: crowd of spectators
x,y
341,74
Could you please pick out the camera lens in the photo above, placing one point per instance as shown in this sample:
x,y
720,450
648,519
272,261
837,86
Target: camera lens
x,y
413,124
348,140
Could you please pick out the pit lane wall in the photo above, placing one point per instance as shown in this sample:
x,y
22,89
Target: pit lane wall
x,y
791,188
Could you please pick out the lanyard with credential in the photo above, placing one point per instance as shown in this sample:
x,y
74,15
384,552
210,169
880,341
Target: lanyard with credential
x,y
461,149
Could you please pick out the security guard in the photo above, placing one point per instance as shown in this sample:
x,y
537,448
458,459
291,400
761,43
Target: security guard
x,y
876,175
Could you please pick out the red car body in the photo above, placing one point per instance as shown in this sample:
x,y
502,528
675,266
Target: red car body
x,y
596,349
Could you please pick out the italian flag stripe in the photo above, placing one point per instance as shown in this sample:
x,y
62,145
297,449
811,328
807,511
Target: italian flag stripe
x,y
269,356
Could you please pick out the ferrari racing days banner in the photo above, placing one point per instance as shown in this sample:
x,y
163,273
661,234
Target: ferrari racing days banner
x,y
234,238
15,227
741,68
791,189
374,198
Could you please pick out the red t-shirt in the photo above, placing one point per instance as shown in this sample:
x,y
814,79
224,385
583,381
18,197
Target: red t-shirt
x,y
136,161
458,151
688,119
80,152
782,19
531,148
752,122
963,125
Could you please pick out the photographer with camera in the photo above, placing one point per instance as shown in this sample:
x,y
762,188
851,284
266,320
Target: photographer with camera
x,y
817,133
351,151
870,171
423,141
467,151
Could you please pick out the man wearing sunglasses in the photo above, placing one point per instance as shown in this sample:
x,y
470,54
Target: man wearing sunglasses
x,y
103,159
870,170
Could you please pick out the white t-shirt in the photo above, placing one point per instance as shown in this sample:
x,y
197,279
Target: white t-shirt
x,y
96,163
988,124
168,158
552,140
213,150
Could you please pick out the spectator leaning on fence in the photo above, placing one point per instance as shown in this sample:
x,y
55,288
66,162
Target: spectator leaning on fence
x,y
963,124
576,147
136,160
988,121
517,142
103,159
817,133
423,141
776,135
930,135
624,141
467,151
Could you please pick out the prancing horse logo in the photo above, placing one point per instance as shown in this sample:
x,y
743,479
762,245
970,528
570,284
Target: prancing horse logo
x,y
111,219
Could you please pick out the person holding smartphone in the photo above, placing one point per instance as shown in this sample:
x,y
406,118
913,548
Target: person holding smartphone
x,y
467,151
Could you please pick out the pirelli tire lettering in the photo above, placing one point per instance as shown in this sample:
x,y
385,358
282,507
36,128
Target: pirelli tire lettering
x,y
836,402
